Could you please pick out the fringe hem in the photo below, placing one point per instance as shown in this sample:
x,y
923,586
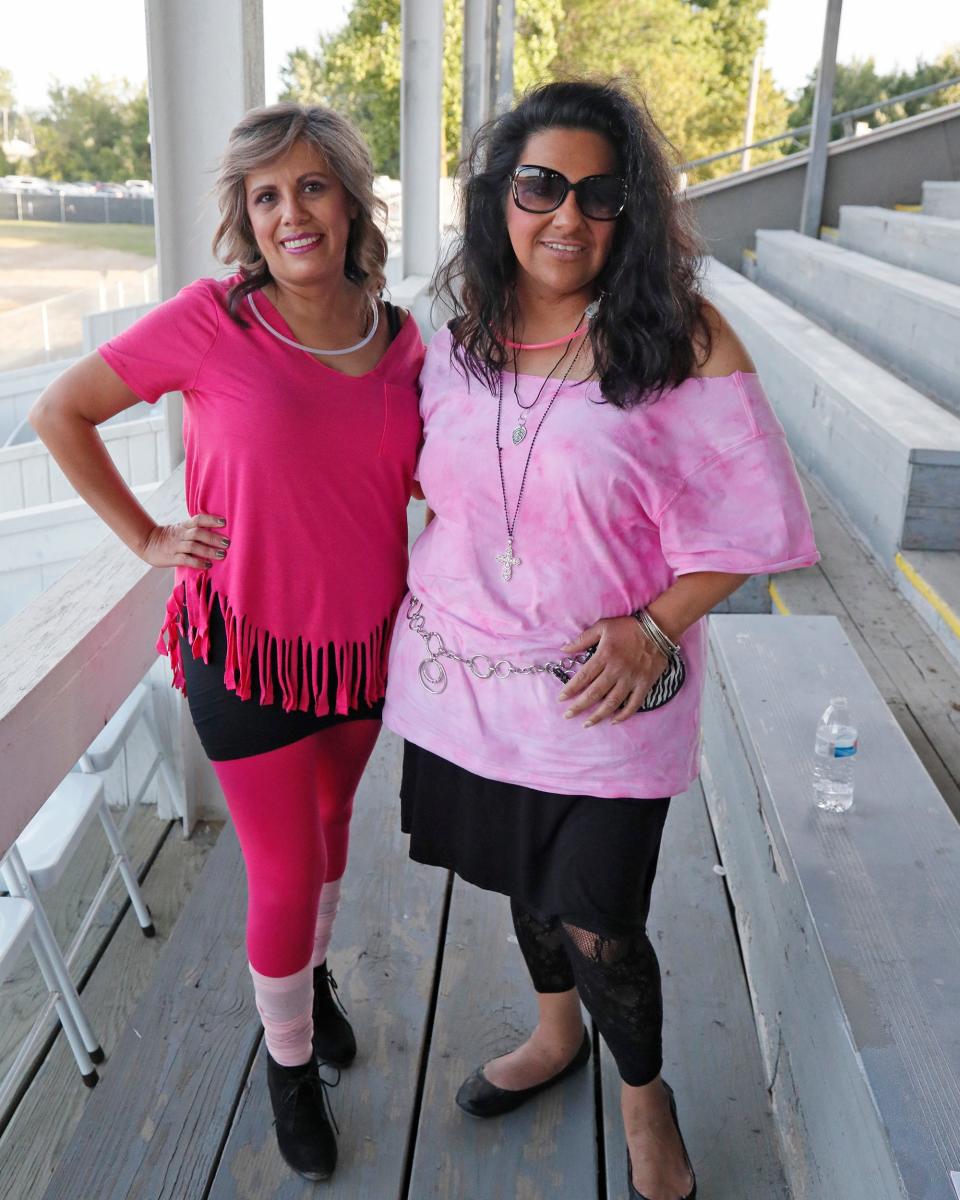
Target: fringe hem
x,y
297,663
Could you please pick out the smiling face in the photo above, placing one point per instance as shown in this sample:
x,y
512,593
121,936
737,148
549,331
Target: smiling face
x,y
561,252
300,214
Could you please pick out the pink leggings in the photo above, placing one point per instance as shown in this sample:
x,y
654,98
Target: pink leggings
x,y
291,808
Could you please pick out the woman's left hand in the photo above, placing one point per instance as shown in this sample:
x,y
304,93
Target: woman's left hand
x,y
618,676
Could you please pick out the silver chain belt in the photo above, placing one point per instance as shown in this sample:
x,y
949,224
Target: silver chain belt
x,y
433,674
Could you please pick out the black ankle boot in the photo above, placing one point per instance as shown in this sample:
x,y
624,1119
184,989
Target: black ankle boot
x,y
333,1040
303,1120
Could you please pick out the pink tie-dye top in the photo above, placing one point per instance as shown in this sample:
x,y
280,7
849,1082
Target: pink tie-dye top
x,y
617,504
312,470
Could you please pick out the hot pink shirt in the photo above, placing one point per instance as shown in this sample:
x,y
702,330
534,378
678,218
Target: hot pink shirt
x,y
617,504
312,470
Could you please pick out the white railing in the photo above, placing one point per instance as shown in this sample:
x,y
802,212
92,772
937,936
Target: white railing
x,y
29,476
69,661
49,329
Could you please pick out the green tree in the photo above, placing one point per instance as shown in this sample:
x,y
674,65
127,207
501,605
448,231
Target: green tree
x,y
8,98
98,130
357,70
8,103
858,83
692,62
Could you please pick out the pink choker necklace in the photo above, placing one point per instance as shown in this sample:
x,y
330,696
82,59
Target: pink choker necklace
x,y
589,312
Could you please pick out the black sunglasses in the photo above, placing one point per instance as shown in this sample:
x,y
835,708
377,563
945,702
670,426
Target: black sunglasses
x,y
541,190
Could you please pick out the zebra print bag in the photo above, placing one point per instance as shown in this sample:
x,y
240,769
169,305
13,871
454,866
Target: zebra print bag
x,y
666,687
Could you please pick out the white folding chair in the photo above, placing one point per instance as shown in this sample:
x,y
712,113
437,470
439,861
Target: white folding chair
x,y
21,923
49,842
107,745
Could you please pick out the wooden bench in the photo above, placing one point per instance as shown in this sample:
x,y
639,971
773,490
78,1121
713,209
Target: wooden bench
x,y
849,924
887,455
434,983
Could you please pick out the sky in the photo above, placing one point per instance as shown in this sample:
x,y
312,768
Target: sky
x,y
57,39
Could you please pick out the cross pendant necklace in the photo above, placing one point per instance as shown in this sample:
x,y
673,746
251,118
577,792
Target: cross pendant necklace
x,y
508,560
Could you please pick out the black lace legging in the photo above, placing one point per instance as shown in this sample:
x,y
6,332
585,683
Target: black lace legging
x,y
618,979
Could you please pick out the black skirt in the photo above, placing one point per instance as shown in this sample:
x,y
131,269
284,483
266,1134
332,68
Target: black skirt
x,y
231,728
587,859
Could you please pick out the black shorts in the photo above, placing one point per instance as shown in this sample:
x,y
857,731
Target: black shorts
x,y
231,728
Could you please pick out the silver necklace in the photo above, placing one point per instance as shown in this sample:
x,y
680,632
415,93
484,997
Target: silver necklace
x,y
508,560
310,349
520,430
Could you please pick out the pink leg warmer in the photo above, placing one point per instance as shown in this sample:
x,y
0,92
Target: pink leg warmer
x,y
286,1009
326,911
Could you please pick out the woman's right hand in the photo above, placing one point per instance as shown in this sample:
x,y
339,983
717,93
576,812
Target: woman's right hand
x,y
197,542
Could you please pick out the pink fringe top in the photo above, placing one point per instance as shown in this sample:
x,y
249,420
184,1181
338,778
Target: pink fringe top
x,y
312,471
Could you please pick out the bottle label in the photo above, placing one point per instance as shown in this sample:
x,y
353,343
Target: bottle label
x,y
845,751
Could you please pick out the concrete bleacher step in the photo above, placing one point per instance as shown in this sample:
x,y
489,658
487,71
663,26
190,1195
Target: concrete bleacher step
x,y
930,245
901,319
856,1012
888,455
941,198
930,580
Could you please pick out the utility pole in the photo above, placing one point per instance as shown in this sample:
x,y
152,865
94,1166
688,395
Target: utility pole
x,y
816,177
506,25
751,110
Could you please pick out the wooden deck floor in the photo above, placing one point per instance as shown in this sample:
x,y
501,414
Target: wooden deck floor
x,y
435,984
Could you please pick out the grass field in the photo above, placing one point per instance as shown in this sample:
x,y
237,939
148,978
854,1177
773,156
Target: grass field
x,y
131,239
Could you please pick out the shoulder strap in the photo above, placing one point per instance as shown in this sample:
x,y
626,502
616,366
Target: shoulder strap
x,y
393,318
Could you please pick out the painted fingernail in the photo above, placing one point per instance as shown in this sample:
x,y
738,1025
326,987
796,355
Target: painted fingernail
x,y
209,563
225,541
221,520
220,553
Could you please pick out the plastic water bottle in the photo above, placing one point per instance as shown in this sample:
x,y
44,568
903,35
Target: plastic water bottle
x,y
836,752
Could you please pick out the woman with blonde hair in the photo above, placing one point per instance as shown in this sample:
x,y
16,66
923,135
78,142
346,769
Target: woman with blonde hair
x,y
301,430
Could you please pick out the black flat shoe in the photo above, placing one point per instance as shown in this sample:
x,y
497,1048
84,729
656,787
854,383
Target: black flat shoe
x,y
303,1119
632,1192
333,1039
481,1098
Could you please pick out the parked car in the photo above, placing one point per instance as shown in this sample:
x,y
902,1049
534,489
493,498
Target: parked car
x,y
139,187
27,183
111,189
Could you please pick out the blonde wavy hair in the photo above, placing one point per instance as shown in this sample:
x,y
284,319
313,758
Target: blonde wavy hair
x,y
265,134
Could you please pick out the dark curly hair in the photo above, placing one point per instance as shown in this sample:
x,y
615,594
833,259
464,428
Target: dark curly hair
x,y
651,320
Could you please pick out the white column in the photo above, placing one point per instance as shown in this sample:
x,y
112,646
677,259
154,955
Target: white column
x,y
816,176
205,65
421,100
479,66
505,37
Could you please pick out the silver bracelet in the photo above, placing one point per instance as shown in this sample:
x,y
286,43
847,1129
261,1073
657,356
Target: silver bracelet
x,y
656,635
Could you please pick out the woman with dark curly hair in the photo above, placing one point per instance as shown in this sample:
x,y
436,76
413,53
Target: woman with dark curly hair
x,y
601,468
301,429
